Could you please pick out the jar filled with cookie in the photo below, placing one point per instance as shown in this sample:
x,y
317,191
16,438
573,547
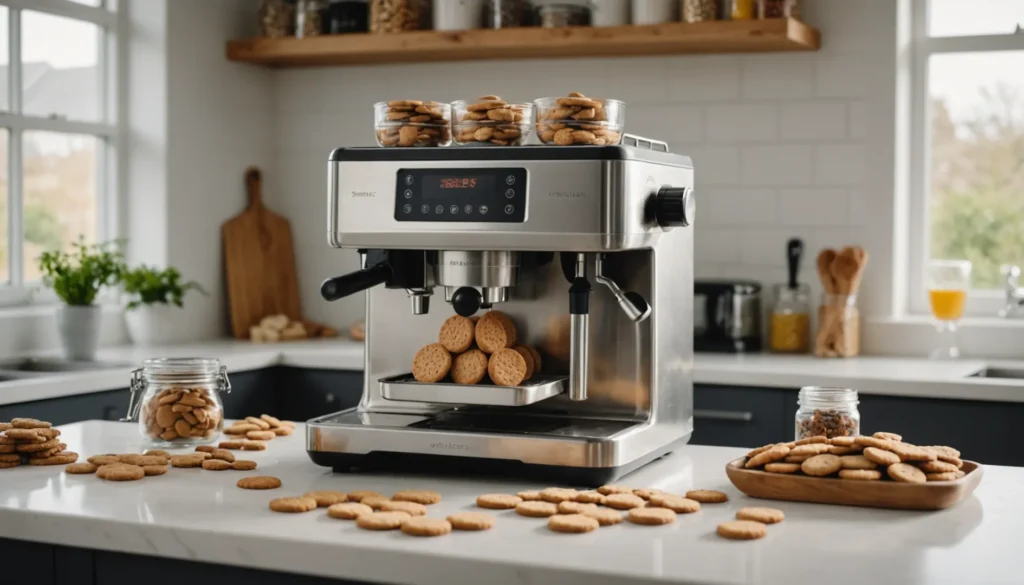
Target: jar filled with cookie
x,y
412,123
491,121
576,120
176,401
826,411
391,16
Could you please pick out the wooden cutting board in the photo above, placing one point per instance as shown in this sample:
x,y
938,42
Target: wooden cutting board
x,y
260,263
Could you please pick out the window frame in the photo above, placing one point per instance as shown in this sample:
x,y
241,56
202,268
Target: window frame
x,y
108,131
980,303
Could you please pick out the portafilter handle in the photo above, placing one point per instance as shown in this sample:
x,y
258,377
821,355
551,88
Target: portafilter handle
x,y
579,332
340,287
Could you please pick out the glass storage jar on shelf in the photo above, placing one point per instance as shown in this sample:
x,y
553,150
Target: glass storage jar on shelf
x,y
391,16
838,326
700,10
831,412
277,18
507,13
777,9
791,319
176,401
309,18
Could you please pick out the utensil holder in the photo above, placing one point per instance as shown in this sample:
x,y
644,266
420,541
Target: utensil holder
x,y
838,326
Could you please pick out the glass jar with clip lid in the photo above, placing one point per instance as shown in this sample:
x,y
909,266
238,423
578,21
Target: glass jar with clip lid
x,y
176,401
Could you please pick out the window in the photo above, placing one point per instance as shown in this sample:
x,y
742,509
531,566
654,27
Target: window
x,y
58,132
968,152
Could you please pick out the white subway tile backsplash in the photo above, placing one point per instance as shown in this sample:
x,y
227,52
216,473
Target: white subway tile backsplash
x,y
738,207
715,245
841,75
812,121
858,120
704,78
712,165
671,123
777,76
742,123
810,207
765,247
839,164
776,165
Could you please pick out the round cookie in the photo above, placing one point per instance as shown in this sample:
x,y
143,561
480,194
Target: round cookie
x,y
80,468
259,482
469,367
770,455
283,431
762,515
614,489
103,459
223,455
529,495
34,447
912,453
623,501
822,465
423,526
260,435
410,508
506,367
645,493
762,449
243,465
812,440
589,497
842,441
707,496
216,465
10,457
880,456
375,502
572,523
782,467
495,331
120,472
471,521
425,497
888,436
325,498
858,462
528,358
9,464
358,495
24,435
382,520
837,450
536,509
557,495
538,362
946,476
873,442
809,449
677,504
569,507
152,470
906,473
604,516
651,516
348,510
456,334
62,458
29,423
166,455
796,458
860,474
431,364
498,501
742,530
293,505
937,467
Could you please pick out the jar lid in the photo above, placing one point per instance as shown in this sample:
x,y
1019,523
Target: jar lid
x,y
182,370
827,395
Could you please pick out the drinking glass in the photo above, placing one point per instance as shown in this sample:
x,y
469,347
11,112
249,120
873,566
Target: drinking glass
x,y
948,281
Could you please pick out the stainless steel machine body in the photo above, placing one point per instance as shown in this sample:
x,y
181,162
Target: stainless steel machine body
x,y
517,229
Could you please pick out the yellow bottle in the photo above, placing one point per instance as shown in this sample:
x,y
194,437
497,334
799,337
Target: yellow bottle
x,y
742,10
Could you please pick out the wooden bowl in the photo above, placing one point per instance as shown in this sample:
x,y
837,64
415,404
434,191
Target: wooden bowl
x,y
933,495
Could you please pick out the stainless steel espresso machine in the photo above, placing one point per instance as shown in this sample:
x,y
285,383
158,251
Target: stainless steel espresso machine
x,y
588,248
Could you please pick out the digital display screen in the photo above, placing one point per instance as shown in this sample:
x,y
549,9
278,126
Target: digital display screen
x,y
438,186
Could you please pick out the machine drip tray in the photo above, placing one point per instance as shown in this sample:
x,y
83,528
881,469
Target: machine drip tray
x,y
405,388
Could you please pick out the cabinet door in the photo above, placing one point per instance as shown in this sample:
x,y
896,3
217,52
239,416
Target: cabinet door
x,y
110,405
738,417
304,394
252,393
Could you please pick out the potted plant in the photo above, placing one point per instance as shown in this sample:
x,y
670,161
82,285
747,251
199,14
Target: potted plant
x,y
77,278
155,301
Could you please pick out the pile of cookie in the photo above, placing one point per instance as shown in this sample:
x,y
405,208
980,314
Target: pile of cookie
x,y
31,441
862,458
491,120
253,432
182,414
471,349
413,123
279,327
133,466
577,120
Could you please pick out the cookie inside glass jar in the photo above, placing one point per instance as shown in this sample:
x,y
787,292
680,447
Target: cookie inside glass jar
x,y
578,120
491,121
409,123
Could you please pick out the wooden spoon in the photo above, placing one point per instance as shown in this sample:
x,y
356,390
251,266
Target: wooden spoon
x,y
825,258
845,269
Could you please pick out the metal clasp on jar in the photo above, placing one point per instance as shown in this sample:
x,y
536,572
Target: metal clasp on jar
x,y
223,383
137,386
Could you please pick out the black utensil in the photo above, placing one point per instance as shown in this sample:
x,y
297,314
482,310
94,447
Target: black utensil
x,y
794,251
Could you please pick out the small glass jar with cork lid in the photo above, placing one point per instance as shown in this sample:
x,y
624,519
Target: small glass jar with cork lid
x,y
176,401
827,411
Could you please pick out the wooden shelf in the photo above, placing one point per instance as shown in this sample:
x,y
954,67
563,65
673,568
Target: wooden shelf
x,y
730,36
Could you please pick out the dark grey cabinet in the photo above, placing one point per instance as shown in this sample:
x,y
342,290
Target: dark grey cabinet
x,y
739,417
109,405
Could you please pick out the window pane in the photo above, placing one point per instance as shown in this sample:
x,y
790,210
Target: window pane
x,y
977,166
60,76
60,193
959,18
4,60
5,268
89,2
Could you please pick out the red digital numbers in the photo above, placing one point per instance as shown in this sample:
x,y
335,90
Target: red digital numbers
x,y
458,183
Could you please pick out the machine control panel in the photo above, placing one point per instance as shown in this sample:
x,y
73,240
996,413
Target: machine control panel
x,y
461,195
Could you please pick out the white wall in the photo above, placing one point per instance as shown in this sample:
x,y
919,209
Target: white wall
x,y
780,142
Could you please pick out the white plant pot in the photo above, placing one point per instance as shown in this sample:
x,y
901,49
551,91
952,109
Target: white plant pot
x,y
157,324
79,328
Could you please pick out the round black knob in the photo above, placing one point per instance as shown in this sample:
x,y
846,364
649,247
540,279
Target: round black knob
x,y
466,301
674,207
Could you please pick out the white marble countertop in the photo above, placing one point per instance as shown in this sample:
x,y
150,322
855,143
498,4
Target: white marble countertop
x,y
869,375
200,515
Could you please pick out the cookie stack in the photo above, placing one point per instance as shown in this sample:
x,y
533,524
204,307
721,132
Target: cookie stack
x,y
31,441
859,458
471,349
261,428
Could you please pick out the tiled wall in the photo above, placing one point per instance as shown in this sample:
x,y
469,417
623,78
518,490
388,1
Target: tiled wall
x,y
779,141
